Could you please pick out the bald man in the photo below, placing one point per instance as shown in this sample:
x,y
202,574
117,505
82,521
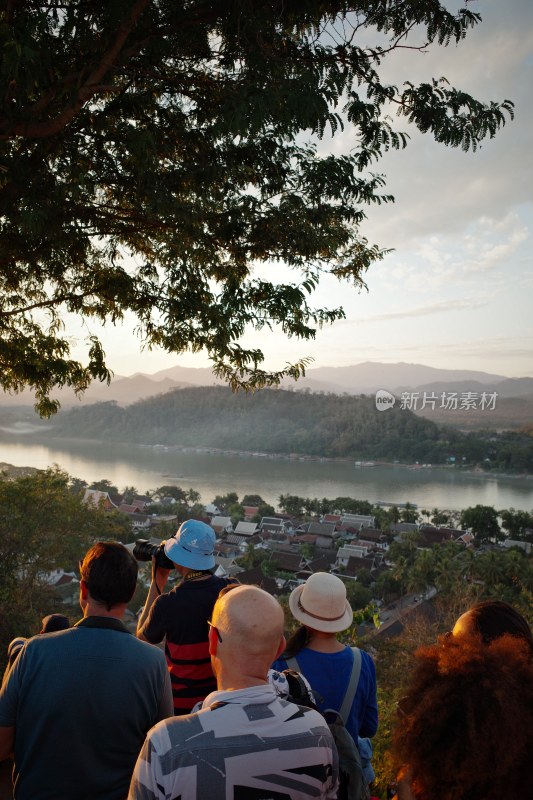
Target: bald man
x,y
245,742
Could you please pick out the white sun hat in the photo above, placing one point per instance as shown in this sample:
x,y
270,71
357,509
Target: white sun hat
x,y
321,603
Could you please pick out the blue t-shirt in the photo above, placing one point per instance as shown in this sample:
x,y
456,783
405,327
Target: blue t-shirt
x,y
81,702
329,675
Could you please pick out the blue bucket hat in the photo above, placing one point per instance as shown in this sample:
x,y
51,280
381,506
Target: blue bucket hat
x,y
192,545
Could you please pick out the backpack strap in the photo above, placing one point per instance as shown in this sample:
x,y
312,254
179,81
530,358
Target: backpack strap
x,y
292,663
344,711
352,685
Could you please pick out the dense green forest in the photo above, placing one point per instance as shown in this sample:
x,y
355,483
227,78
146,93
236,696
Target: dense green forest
x,y
270,421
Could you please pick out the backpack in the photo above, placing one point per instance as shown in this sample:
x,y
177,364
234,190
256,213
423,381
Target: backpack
x,y
352,783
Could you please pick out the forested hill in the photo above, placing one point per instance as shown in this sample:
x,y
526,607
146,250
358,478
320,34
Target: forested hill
x,y
269,421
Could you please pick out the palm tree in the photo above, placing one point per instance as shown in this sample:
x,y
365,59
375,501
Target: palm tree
x,y
192,497
422,573
466,558
490,567
518,568
439,517
409,513
448,572
400,571
410,541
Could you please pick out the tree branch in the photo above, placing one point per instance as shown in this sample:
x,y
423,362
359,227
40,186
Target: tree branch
x,y
45,304
91,85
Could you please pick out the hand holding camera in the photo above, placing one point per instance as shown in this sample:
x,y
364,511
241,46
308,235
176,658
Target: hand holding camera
x,y
161,564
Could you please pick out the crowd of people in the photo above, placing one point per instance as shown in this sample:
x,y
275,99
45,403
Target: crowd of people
x,y
92,712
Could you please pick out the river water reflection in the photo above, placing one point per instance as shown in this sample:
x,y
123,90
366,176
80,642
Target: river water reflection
x,y
212,474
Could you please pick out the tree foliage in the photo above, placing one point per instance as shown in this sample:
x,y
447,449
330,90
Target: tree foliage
x,y
176,492
153,153
518,524
277,421
43,526
482,521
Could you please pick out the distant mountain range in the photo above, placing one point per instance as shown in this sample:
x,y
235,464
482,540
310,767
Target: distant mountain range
x,y
364,378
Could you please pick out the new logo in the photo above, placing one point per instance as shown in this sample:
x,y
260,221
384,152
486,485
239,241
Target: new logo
x,y
384,400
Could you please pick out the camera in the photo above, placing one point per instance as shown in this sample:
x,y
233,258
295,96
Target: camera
x,y
145,551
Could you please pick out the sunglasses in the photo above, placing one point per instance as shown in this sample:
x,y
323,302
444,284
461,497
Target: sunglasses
x,y
214,627
222,592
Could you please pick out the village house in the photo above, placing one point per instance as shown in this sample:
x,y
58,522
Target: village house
x,y
221,525
331,518
131,508
250,512
325,532
304,538
226,550
273,525
273,540
527,547
246,528
397,528
93,497
377,537
239,543
140,522
431,536
226,567
369,545
356,564
65,585
167,500
358,521
324,557
288,562
347,533
467,538
356,550
255,577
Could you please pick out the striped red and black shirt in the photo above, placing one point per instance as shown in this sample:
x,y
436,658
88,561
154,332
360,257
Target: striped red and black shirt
x,y
181,615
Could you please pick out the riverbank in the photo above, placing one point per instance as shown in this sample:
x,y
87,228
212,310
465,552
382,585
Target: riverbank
x,y
212,473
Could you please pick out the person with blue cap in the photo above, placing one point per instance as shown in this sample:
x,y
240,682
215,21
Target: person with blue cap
x,y
180,616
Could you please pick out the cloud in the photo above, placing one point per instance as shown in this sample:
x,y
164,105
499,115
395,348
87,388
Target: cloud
x,y
422,311
442,190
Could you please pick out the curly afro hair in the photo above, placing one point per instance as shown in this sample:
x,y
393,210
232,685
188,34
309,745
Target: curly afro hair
x,y
465,728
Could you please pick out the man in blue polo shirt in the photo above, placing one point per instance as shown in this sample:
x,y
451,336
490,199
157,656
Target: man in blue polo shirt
x,y
77,704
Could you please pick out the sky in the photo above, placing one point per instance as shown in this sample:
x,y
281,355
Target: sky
x,y
457,290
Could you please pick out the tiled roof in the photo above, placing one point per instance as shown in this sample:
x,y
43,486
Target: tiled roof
x,y
246,528
255,577
331,518
355,565
291,562
321,528
232,538
220,522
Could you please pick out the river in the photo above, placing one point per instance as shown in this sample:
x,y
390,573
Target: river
x,y
211,474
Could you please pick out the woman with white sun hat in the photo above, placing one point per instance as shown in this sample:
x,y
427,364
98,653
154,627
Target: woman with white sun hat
x,y
320,605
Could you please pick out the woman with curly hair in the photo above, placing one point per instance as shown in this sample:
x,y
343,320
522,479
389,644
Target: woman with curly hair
x,y
465,729
493,618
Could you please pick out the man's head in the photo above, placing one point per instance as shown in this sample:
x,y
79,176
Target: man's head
x,y
246,636
108,574
54,622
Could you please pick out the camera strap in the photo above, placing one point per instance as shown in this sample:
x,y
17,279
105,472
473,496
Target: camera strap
x,y
195,574
154,580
